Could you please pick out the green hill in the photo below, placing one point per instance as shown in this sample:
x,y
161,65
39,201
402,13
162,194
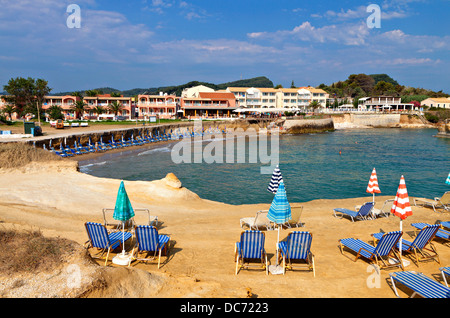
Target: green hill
x,y
260,81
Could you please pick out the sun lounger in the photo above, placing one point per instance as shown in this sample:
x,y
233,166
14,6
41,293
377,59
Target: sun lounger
x,y
297,247
362,214
296,213
441,233
384,249
148,240
130,224
418,247
250,248
445,271
260,221
100,238
420,285
446,224
437,203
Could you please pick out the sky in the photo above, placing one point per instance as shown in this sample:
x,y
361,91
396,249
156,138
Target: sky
x,y
153,43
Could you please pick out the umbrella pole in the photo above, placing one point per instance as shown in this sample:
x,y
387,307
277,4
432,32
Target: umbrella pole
x,y
123,237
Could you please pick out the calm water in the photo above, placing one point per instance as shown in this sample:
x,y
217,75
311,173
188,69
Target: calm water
x,y
311,166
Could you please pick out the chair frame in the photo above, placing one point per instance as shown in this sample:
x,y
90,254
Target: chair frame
x,y
254,226
289,264
164,248
374,256
407,278
111,243
419,253
355,214
445,271
297,223
436,203
241,261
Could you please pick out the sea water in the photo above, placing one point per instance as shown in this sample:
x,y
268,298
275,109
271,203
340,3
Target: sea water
x,y
332,165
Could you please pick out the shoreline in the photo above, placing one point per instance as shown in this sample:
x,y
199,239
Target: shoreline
x,y
203,233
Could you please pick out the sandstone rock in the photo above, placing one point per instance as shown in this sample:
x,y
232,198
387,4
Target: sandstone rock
x,y
172,181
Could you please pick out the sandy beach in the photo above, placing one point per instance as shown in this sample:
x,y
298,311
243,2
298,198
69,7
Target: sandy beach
x,y
57,199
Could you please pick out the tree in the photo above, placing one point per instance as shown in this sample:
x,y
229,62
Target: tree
x,y
292,84
79,108
116,94
314,104
98,110
55,112
41,89
278,86
8,110
20,91
115,107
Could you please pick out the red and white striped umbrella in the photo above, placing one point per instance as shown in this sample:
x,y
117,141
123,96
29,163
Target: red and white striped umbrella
x,y
401,206
373,187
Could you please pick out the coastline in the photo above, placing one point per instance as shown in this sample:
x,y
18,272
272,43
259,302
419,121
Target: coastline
x,y
203,234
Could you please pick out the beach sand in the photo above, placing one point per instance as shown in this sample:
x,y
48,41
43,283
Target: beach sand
x,y
58,200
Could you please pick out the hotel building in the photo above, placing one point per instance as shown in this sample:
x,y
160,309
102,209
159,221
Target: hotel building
x,y
162,105
438,102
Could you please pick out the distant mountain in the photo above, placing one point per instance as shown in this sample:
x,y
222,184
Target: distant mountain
x,y
260,81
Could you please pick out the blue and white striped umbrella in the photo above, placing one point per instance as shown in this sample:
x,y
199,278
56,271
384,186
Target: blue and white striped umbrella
x,y
275,180
280,210
448,179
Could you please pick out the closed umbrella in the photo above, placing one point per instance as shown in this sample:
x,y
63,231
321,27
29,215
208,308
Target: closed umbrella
x,y
275,180
401,207
123,211
448,179
373,187
280,210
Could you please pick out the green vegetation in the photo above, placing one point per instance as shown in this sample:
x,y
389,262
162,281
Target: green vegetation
x,y
362,85
261,81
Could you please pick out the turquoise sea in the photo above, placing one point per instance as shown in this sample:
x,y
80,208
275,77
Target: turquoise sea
x,y
331,165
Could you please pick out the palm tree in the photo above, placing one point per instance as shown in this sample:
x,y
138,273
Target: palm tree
x,y
98,110
314,104
79,108
8,110
115,107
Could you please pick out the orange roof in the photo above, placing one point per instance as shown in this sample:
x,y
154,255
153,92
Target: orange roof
x,y
216,95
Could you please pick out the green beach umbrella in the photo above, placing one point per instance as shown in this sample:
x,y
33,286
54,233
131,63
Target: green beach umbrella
x,y
123,211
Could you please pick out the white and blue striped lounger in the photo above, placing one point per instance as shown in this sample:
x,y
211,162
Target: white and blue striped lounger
x,y
419,245
362,214
99,238
297,247
149,240
384,248
251,247
445,271
420,285
442,234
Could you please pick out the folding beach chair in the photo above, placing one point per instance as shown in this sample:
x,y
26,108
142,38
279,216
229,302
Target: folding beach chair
x,y
296,213
362,214
250,248
384,249
445,271
441,233
420,285
442,202
418,247
260,221
100,239
297,247
148,240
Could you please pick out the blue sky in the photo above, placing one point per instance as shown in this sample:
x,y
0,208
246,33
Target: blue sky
x,y
151,43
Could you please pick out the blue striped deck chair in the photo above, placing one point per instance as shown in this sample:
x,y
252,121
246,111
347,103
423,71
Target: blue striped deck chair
x,y
445,271
250,248
297,247
362,214
100,239
446,224
149,241
441,233
420,285
418,247
375,254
